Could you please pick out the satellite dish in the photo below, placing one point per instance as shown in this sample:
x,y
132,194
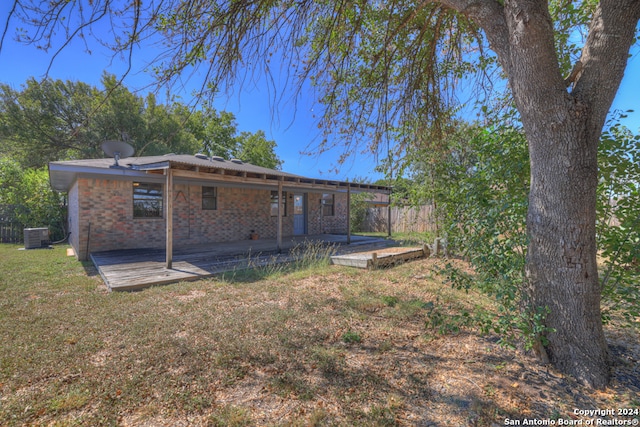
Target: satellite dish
x,y
117,149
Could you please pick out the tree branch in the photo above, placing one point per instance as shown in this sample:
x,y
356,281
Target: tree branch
x,y
605,53
6,25
78,31
488,15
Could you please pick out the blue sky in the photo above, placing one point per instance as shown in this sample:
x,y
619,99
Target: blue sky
x,y
293,127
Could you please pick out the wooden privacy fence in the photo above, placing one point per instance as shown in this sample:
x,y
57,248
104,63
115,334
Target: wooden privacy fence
x,y
403,219
11,231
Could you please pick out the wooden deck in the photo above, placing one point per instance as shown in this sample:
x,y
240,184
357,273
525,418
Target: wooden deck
x,y
379,258
139,268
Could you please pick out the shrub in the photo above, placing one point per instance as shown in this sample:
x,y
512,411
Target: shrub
x,y
35,203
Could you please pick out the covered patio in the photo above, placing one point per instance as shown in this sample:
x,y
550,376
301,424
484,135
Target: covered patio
x,y
132,269
176,201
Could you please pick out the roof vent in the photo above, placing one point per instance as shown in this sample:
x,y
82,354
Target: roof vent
x,y
236,161
217,158
202,156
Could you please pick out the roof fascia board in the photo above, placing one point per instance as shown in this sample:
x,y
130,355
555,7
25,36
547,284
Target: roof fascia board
x,y
267,181
62,177
265,186
121,171
141,176
272,182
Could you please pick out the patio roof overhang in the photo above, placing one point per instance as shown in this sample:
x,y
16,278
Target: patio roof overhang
x,y
191,169
172,169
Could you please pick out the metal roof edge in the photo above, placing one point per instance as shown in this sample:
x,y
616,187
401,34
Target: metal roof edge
x,y
63,174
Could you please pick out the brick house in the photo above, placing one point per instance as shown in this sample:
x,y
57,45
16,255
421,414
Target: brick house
x,y
184,200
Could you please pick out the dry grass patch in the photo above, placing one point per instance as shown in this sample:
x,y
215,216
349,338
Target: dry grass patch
x,y
325,346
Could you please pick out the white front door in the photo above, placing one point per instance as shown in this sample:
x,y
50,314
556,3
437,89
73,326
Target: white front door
x,y
299,214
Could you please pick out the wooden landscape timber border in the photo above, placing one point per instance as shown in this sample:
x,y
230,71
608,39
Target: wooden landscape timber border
x,y
381,258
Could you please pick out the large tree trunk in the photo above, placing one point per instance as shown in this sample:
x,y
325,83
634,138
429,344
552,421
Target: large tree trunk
x,y
563,126
561,259
563,138
563,129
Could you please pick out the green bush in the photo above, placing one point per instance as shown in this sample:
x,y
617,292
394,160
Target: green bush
x,y
34,202
618,226
480,183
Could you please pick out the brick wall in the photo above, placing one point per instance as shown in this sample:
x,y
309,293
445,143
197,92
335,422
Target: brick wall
x,y
319,224
105,218
101,217
239,211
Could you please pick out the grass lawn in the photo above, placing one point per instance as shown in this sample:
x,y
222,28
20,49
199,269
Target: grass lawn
x,y
320,346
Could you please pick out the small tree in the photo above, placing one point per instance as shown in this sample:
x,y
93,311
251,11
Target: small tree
x,y
360,205
34,201
480,182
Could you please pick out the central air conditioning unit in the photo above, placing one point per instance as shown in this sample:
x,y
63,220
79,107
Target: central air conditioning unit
x,y
36,238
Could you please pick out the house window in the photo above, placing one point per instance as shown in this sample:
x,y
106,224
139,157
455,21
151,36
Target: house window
x,y
274,203
147,200
327,204
209,198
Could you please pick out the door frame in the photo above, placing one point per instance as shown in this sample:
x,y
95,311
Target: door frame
x,y
304,214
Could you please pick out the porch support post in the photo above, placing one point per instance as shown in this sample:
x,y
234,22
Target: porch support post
x,y
169,218
349,214
279,230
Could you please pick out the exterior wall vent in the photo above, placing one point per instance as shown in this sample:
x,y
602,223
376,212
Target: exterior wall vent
x,y
236,161
36,238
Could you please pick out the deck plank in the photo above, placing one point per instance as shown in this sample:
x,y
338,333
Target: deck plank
x,y
133,269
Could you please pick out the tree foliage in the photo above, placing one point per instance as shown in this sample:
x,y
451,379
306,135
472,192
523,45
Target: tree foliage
x,y
45,121
618,226
33,201
380,69
55,120
256,149
478,183
218,131
480,186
